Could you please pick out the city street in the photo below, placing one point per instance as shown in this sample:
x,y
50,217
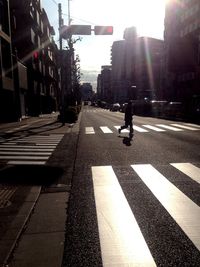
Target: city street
x,y
99,133
132,202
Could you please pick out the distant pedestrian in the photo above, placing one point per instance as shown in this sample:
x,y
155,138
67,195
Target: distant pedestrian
x,y
128,118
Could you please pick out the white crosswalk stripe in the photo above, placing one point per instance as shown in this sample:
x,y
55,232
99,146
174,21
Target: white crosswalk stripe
x,y
89,130
140,129
105,129
146,128
184,127
29,150
188,169
184,211
168,127
122,131
118,245
154,128
193,125
121,240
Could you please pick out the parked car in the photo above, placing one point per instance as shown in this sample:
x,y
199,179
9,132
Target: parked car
x,y
174,110
158,107
115,107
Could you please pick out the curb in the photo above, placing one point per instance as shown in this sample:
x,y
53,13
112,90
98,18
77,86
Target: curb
x,y
24,213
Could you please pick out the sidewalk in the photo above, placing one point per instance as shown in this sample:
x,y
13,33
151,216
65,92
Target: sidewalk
x,y
36,236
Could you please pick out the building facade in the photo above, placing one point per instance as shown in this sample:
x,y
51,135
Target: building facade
x,y
35,77
137,70
86,91
104,84
7,92
119,83
148,68
182,52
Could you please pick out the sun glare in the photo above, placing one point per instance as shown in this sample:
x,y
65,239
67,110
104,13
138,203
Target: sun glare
x,y
147,16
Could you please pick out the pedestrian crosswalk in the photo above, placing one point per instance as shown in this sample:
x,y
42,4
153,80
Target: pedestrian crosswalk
x,y
121,238
29,150
146,128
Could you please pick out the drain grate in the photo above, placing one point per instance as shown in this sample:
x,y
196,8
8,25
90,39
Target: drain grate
x,y
5,196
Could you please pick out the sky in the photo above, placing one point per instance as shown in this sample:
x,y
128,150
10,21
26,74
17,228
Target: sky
x,y
94,51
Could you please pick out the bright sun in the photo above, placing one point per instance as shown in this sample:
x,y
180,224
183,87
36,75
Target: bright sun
x,y
146,15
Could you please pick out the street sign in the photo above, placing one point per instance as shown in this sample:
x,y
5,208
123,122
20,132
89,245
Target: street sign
x,y
67,31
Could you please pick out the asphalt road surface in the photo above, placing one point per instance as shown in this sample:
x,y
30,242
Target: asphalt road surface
x,y
134,202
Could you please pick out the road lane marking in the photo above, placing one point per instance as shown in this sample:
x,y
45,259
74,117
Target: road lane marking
x,y
168,127
105,129
122,131
154,128
184,211
89,130
122,243
188,169
184,127
139,129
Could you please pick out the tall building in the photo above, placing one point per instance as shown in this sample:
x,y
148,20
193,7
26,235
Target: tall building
x,y
182,51
86,91
118,81
7,103
35,48
104,84
148,68
137,67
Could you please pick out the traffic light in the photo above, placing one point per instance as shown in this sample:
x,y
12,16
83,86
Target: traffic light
x,y
103,30
35,57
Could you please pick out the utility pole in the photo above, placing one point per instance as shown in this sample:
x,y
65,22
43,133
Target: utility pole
x,y
69,19
70,45
62,108
60,24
